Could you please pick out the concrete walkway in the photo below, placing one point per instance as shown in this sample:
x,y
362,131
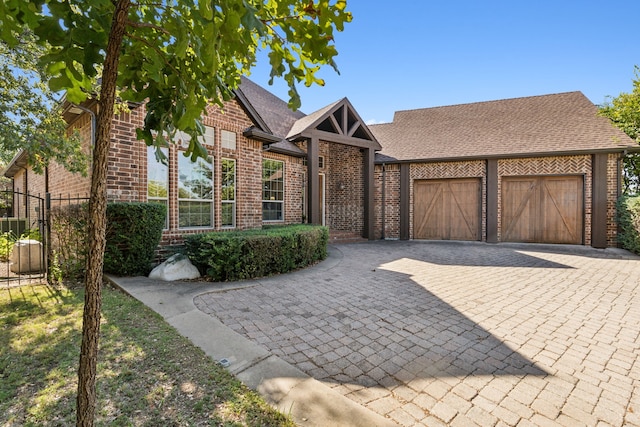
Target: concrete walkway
x,y
428,333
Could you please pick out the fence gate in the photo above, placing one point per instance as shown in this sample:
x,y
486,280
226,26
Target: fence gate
x,y
34,231
23,239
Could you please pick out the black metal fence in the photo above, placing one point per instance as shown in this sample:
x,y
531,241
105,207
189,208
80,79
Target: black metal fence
x,y
38,232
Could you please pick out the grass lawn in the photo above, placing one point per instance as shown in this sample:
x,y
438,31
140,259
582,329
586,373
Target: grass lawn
x,y
148,374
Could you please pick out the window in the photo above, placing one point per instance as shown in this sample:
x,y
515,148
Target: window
x,y
158,180
228,139
272,190
228,192
209,136
195,192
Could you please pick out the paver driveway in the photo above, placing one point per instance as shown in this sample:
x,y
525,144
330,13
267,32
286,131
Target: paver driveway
x,y
447,333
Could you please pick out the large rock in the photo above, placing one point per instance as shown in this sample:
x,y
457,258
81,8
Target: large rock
x,y
27,257
177,267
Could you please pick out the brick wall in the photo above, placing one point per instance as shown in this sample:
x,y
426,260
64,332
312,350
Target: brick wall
x,y
344,188
248,156
560,165
387,187
63,183
125,182
613,192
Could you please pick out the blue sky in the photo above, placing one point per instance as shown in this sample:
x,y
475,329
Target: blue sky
x,y
404,54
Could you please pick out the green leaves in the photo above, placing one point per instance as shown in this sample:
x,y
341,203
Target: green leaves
x,y
28,116
624,112
181,56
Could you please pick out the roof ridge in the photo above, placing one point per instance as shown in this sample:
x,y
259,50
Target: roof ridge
x,y
490,101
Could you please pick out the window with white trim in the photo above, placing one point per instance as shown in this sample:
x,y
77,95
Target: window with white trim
x,y
158,180
228,139
228,193
195,192
272,190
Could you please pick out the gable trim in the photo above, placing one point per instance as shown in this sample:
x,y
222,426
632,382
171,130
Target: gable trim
x,y
343,119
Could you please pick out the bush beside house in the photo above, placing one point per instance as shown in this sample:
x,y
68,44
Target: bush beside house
x,y
629,222
133,233
237,255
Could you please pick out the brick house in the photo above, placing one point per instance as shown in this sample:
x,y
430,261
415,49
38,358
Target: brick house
x,y
540,169
537,169
267,165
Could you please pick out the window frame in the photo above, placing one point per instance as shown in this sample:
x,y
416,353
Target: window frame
x,y
152,161
225,136
210,162
265,190
224,201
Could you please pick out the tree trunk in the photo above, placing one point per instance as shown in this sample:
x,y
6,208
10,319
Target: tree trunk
x,y
86,400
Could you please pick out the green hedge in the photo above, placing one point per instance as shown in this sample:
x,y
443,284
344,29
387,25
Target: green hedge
x,y
237,255
629,222
133,233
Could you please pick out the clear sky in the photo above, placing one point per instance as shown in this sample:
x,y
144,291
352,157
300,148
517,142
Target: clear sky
x,y
407,54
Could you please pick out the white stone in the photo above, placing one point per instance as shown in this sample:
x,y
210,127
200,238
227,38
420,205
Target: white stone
x,y
26,257
177,267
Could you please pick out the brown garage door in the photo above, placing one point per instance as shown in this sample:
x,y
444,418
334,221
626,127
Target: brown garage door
x,y
543,209
447,209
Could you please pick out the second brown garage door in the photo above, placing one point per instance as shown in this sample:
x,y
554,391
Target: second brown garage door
x,y
447,209
543,209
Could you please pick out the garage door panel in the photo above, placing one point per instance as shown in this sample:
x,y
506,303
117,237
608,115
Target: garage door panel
x,y
447,209
518,209
429,203
465,215
543,209
562,218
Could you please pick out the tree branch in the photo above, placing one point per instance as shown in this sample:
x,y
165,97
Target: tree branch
x,y
158,51
146,25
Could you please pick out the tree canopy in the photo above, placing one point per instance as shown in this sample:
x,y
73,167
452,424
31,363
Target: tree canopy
x,y
29,118
179,55
624,112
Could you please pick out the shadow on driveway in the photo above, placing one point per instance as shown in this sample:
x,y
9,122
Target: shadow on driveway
x,y
367,321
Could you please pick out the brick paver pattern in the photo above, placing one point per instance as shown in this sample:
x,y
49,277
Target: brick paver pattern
x,y
457,334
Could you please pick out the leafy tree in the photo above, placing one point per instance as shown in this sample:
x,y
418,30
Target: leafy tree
x,y
28,116
179,56
624,112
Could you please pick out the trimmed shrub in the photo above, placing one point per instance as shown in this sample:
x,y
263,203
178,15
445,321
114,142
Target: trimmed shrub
x,y
133,233
629,221
237,255
69,239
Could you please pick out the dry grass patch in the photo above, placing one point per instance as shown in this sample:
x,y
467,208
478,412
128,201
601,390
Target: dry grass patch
x,y
148,374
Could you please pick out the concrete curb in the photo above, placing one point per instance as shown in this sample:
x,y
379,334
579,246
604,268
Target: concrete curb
x,y
308,401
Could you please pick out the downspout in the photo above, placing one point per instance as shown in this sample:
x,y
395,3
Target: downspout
x,y
384,200
619,179
93,123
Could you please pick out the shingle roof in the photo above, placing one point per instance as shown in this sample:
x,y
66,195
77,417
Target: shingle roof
x,y
564,122
307,121
273,111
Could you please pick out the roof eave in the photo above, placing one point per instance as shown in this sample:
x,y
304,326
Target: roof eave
x,y
265,137
19,162
621,150
251,111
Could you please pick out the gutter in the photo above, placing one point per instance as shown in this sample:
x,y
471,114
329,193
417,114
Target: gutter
x,y
390,160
